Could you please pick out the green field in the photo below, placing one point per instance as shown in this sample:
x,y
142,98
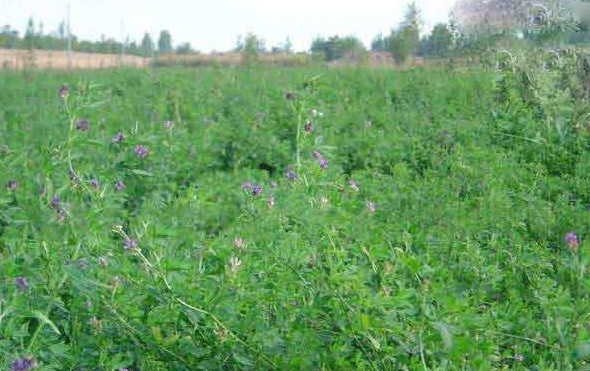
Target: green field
x,y
412,224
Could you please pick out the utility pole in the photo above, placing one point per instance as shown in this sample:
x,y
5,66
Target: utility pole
x,y
123,43
69,31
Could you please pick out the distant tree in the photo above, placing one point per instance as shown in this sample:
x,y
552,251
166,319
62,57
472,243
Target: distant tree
x,y
8,37
251,43
404,41
288,46
147,45
30,34
438,43
165,42
132,48
336,47
411,27
250,47
61,30
398,46
379,43
184,48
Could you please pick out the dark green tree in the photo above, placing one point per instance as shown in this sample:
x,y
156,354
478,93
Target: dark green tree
x,y
30,35
165,42
336,47
184,48
438,43
380,43
8,37
147,45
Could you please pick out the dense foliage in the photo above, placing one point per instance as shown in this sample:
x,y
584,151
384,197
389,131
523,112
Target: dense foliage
x,y
290,219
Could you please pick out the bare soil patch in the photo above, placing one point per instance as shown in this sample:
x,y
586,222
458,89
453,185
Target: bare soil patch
x,y
57,59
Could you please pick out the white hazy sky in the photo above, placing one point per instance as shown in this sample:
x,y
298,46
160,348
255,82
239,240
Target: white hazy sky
x,y
216,24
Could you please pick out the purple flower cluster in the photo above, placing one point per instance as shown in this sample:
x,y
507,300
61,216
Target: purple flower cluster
x,y
11,185
94,183
321,160
73,177
63,91
82,125
23,364
255,189
56,205
290,174
21,283
168,124
141,151
117,138
119,185
571,240
130,243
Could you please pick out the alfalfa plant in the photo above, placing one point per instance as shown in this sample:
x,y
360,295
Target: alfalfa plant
x,y
553,82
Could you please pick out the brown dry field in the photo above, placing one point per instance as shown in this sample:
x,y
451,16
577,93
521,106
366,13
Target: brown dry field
x,y
56,59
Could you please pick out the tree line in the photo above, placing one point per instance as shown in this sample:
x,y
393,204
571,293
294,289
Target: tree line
x,y
472,26
35,37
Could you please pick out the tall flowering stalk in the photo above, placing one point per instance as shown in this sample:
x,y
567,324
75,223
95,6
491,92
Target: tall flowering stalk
x,y
81,125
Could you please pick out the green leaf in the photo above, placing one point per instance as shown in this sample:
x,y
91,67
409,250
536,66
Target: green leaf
x,y
242,359
93,142
43,318
445,334
142,172
582,351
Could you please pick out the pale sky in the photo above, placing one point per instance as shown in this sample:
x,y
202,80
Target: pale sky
x,y
216,24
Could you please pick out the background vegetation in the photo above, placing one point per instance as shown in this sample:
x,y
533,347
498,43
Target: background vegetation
x,y
302,218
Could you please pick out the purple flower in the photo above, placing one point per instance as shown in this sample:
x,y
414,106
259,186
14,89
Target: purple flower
x,y
119,185
323,163
291,174
353,185
21,283
11,185
256,190
61,215
370,206
82,125
117,138
168,124
307,126
94,183
63,91
41,190
23,364
571,241
315,154
130,243
141,151
55,203
73,177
